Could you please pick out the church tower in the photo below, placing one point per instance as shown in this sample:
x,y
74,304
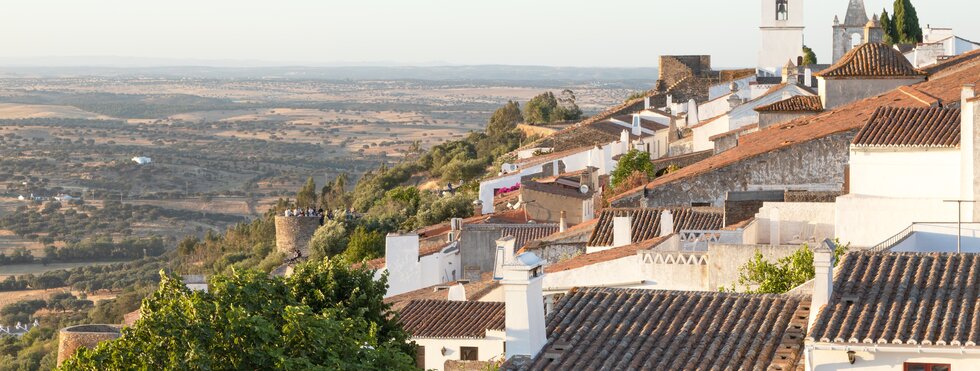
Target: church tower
x,y
782,35
849,34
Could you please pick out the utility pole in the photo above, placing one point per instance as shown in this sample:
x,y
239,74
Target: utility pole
x,y
959,221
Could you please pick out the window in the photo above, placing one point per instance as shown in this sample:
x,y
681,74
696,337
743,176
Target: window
x,y
782,10
420,357
927,367
469,354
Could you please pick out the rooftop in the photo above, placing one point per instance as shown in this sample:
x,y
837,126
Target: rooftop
x,y
475,290
583,260
451,319
872,60
645,223
903,298
620,329
799,103
911,127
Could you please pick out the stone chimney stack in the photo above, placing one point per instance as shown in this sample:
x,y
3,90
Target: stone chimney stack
x,y
969,158
562,222
521,279
823,283
622,231
666,223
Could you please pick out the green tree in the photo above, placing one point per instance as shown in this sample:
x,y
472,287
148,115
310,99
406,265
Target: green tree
x,y
906,23
306,197
327,318
364,245
539,109
505,119
632,161
783,275
809,57
888,26
566,109
328,240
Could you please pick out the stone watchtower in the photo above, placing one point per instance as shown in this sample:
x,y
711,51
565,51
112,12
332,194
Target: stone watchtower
x,y
851,33
293,235
88,336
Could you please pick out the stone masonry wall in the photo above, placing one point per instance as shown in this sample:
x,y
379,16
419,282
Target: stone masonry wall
x,y
88,336
293,234
816,162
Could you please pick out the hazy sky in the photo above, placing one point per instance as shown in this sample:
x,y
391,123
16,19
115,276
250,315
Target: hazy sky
x,y
530,32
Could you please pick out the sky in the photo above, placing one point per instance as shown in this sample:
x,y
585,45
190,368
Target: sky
x,y
608,33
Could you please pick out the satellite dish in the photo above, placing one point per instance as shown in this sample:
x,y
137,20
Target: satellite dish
x,y
583,188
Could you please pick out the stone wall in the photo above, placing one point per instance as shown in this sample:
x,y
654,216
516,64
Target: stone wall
x,y
818,164
293,234
88,336
740,206
674,68
661,164
478,244
769,119
457,365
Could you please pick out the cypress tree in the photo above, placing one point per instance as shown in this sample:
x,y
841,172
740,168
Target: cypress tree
x,y
889,27
906,23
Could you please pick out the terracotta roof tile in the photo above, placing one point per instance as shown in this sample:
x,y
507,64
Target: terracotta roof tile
x,y
945,85
628,329
799,103
475,290
645,223
583,260
451,319
645,123
871,60
523,234
911,127
903,298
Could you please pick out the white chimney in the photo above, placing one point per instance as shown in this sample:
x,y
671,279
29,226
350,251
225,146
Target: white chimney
x,y
646,103
624,141
456,224
666,223
808,77
456,293
692,113
524,324
670,101
968,148
622,231
562,223
823,282
636,130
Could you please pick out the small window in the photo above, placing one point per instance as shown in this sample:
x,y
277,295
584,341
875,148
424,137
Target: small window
x,y
420,357
782,10
700,204
469,354
927,367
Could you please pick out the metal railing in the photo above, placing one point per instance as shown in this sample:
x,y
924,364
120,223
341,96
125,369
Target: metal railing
x,y
903,234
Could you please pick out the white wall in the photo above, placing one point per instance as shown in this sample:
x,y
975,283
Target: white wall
x,y
409,272
827,360
914,174
865,221
778,47
489,348
941,237
613,272
795,218
741,116
743,84
702,133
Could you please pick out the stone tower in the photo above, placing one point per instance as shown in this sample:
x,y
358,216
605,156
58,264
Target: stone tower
x,y
293,235
849,34
873,33
88,336
782,35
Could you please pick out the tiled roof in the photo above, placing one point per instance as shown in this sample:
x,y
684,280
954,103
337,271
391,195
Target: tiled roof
x,y
903,298
475,290
945,84
646,222
529,232
629,329
583,260
799,103
451,319
911,127
871,60
743,129
645,123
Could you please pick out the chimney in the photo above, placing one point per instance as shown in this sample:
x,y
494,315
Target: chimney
x,y
636,130
823,283
692,113
670,102
666,222
808,77
477,207
624,140
562,223
969,142
622,231
524,324
646,102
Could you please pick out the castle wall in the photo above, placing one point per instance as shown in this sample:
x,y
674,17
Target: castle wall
x,y
293,234
88,336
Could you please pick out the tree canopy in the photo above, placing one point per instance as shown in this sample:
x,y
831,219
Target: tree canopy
x,y
325,316
505,118
631,162
546,108
903,27
809,57
760,276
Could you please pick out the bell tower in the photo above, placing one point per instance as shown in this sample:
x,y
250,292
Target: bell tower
x,y
782,35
